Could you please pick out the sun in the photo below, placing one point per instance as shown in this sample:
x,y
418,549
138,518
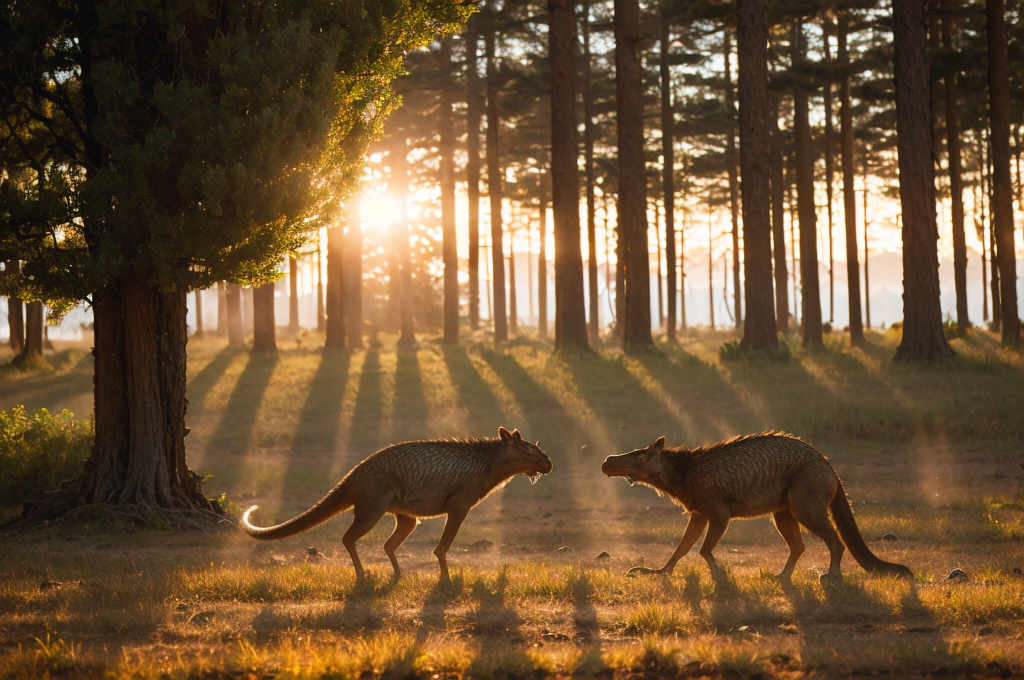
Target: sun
x,y
380,210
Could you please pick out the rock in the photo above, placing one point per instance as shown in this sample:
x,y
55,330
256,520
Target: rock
x,y
957,575
604,555
202,618
482,545
985,630
563,549
1017,571
890,537
313,552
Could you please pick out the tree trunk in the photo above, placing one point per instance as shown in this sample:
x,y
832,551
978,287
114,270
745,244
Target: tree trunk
x,y
542,270
570,313
15,313
233,298
811,297
353,273
923,336
668,177
449,250
335,304
632,202
759,330
293,292
474,109
588,156
867,250
199,312
222,309
963,321
849,191
513,299
778,198
264,325
829,165
400,190
35,318
734,193
319,283
494,194
1002,186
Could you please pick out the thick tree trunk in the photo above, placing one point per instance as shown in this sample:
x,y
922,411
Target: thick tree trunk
x,y
849,191
588,156
759,330
542,270
778,198
811,297
35,318
400,190
734,192
923,336
474,111
449,250
570,314
829,165
335,304
963,321
264,325
222,309
498,311
293,292
353,272
1002,186
668,188
632,202
236,332
15,313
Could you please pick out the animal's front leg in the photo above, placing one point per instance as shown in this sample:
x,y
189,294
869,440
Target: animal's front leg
x,y
404,526
451,527
717,524
691,533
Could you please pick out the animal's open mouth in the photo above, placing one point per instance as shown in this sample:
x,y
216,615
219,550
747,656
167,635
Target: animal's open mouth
x,y
534,476
631,480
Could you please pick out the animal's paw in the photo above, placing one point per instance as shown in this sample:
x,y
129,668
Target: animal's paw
x,y
830,578
643,571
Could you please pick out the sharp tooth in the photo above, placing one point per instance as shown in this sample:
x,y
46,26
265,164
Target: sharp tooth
x,y
534,477
631,479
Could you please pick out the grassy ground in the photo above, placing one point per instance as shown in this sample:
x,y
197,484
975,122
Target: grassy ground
x,y
930,455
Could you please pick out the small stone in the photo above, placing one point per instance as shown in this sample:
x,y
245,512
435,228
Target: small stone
x,y
985,630
201,618
890,537
313,552
957,575
563,549
482,545
604,555
1017,571
182,607
547,514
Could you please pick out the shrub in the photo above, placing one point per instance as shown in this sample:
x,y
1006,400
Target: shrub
x,y
38,451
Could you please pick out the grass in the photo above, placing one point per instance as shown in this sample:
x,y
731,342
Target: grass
x,y
931,455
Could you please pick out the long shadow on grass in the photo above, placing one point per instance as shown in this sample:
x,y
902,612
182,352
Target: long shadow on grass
x,y
364,435
38,388
474,392
410,412
435,608
234,431
497,627
203,382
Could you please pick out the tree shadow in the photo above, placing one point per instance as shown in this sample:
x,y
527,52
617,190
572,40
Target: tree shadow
x,y
201,384
435,607
320,418
234,431
410,408
364,435
474,392
497,627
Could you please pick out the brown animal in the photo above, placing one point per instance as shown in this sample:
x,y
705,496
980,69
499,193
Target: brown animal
x,y
760,474
415,480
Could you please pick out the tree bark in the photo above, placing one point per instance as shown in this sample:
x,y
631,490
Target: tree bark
x,y
811,296
1002,186
494,193
400,190
474,110
335,304
668,177
849,190
233,299
15,313
778,199
542,269
829,165
588,156
449,250
513,299
963,321
632,202
759,330
353,273
570,313
293,292
199,312
923,336
35,318
222,309
734,192
264,340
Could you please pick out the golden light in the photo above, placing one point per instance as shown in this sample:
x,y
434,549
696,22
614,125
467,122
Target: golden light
x,y
380,210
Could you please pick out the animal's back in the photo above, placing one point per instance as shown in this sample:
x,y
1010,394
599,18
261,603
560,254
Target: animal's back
x,y
752,473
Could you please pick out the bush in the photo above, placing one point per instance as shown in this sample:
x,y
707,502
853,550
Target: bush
x,y
38,451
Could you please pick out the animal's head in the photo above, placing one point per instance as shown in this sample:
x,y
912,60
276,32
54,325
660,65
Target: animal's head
x,y
642,465
523,456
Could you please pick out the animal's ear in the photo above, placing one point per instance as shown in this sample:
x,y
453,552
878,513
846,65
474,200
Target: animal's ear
x,y
516,436
658,445
504,434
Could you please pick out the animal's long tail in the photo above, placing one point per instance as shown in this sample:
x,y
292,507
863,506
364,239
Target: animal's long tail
x,y
842,514
335,502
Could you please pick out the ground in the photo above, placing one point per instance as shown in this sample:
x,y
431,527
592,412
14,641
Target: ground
x,y
931,458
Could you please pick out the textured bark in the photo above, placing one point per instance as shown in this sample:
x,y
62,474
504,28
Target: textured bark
x,y
632,202
542,270
335,304
474,111
15,314
778,198
668,188
1002,186
233,299
849,190
400,190
32,350
956,190
810,316
570,313
829,166
588,163
264,325
759,331
734,191
293,292
449,250
353,274
498,311
923,336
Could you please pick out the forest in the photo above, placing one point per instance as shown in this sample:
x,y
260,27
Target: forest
x,y
246,244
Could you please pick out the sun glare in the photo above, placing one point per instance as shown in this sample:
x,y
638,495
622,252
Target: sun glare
x,y
380,210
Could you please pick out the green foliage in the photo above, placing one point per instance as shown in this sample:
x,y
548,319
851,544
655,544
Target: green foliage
x,y
38,451
733,350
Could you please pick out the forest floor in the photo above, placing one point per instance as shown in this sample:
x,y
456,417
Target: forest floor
x,y
932,456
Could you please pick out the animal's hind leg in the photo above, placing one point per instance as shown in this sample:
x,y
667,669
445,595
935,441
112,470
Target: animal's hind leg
x,y
717,525
451,527
404,526
811,510
789,527
365,517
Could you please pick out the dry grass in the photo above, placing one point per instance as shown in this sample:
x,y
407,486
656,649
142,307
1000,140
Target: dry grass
x,y
931,455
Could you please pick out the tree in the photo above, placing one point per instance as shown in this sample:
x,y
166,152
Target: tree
x,y
668,174
353,272
734,192
498,312
849,191
632,202
264,339
233,307
923,337
1002,187
759,330
956,191
400,190
778,198
449,250
15,313
570,317
588,162
474,111
293,292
